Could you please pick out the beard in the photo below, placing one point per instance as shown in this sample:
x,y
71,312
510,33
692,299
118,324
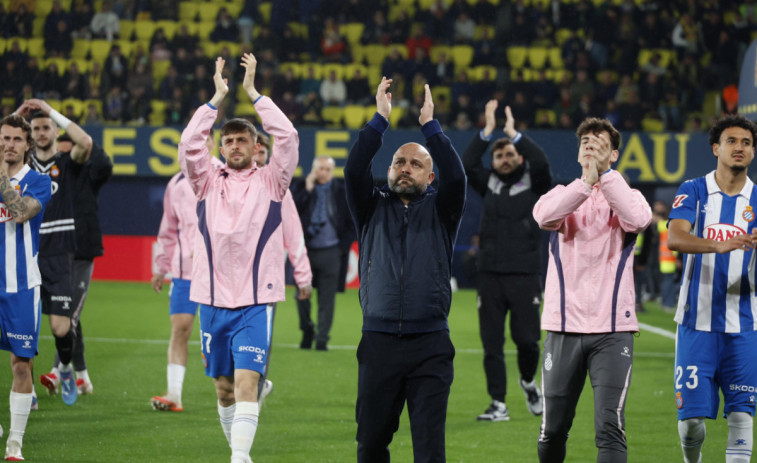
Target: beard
x,y
45,147
405,190
736,169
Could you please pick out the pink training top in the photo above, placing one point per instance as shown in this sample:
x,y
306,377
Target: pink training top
x,y
590,286
238,259
178,227
294,242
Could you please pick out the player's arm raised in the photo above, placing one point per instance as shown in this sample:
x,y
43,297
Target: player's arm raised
x,y
82,141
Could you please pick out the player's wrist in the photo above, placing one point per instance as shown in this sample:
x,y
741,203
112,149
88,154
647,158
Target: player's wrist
x,y
62,121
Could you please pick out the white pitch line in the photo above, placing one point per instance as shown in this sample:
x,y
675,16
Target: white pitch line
x,y
644,326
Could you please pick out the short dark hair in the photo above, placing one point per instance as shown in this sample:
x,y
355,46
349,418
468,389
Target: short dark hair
x,y
729,121
238,125
502,143
40,115
264,141
65,137
596,125
14,120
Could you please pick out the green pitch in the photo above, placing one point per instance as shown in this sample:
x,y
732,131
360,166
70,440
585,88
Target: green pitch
x,y
310,415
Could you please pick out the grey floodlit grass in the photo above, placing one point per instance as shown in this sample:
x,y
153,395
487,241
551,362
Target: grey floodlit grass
x,y
310,415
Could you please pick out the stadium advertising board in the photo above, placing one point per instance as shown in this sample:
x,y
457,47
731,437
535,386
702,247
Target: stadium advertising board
x,y
644,157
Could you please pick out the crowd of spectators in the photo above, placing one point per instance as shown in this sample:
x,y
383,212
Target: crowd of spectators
x,y
696,49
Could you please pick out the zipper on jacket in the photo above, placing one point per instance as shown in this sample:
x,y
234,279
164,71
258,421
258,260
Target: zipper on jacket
x,y
402,267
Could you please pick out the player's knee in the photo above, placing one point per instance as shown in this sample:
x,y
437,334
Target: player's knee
x,y
691,431
741,420
21,368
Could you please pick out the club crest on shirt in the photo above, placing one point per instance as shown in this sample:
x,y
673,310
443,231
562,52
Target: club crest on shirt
x,y
54,171
679,400
678,201
721,231
748,214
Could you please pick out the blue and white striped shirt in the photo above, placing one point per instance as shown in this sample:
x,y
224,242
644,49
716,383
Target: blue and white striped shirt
x,y
20,246
717,290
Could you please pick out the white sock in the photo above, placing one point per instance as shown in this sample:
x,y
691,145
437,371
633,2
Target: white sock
x,y
243,429
56,371
175,373
740,440
83,375
20,407
226,415
64,369
692,433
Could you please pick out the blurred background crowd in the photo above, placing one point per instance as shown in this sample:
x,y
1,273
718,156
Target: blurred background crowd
x,y
644,64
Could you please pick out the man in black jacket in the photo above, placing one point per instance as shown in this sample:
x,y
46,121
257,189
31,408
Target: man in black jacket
x,y
89,244
329,233
406,231
509,259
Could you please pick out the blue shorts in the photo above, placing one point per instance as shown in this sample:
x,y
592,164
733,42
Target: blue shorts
x,y
178,295
19,322
235,338
707,362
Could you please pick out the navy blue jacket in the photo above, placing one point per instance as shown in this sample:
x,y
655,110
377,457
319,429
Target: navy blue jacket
x,y
405,250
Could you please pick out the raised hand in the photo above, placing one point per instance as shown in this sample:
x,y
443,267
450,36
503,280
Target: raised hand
x,y
222,85
427,110
250,64
491,119
384,98
509,123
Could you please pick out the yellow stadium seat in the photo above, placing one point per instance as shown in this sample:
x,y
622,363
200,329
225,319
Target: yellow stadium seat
x,y
555,57
246,109
55,104
561,35
537,57
97,104
81,48
333,116
425,4
144,29
38,26
209,11
78,106
82,64
316,67
395,9
160,70
652,124
100,48
127,48
234,8
265,11
375,54
374,75
352,31
479,73
436,52
209,48
396,115
295,67
550,116
3,44
349,70
527,74
188,11
168,26
559,74
667,57
43,7
59,62
483,30
337,68
516,56
157,112
354,117
462,55
204,29
370,110
438,91
358,53
235,49
35,47
126,29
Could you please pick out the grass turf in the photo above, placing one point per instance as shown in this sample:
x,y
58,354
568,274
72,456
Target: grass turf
x,y
310,415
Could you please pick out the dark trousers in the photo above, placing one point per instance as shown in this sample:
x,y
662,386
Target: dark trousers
x,y
81,276
325,266
567,358
416,368
520,295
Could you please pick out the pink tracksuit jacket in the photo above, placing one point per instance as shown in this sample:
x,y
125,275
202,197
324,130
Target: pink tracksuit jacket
x,y
238,258
178,227
590,286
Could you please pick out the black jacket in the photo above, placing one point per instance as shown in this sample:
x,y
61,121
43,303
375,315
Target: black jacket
x,y
95,172
510,239
338,214
405,251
